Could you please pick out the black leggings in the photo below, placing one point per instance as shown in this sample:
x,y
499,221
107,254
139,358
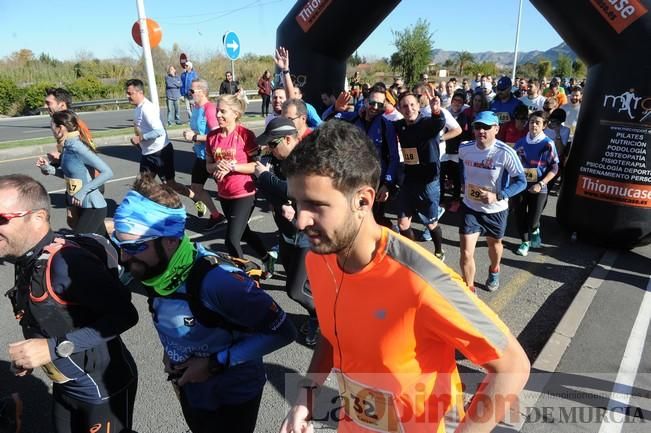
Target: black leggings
x,y
265,104
451,170
231,418
238,211
528,210
114,415
91,220
293,259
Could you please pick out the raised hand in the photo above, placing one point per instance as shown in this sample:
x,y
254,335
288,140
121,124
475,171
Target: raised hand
x,y
281,58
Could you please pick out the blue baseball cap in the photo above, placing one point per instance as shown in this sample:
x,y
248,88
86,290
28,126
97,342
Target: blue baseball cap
x,y
504,83
487,118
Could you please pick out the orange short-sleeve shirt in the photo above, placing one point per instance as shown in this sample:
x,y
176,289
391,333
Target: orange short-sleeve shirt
x,y
398,323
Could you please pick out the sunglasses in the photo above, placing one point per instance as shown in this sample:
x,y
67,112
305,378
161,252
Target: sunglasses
x,y
6,217
478,126
274,143
133,247
376,104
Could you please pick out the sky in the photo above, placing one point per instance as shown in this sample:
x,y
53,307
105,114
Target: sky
x,y
103,27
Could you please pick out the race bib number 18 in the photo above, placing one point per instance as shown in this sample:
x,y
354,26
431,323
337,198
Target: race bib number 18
x,y
410,155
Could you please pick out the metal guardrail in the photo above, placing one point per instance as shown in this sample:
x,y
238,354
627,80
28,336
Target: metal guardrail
x,y
118,102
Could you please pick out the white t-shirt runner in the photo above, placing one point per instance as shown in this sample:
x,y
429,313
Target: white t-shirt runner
x,y
487,170
146,118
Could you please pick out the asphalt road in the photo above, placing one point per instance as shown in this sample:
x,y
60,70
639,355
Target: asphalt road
x,y
22,128
535,293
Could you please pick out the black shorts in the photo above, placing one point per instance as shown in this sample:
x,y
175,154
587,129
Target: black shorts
x,y
199,172
159,163
486,224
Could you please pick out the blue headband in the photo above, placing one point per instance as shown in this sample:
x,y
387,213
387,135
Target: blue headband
x,y
137,215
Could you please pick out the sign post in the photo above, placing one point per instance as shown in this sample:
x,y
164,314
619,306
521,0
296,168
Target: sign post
x,y
232,48
146,49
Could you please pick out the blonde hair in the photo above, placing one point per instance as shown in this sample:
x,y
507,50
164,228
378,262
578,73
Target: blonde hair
x,y
234,103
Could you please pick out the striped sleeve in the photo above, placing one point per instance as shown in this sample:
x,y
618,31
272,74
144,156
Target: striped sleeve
x,y
448,310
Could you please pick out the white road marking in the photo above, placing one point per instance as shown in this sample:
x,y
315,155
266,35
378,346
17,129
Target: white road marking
x,y
621,394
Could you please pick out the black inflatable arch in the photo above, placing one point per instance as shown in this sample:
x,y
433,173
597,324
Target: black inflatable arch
x,y
606,193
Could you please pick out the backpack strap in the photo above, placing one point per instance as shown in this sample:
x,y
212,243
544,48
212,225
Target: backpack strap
x,y
206,316
49,251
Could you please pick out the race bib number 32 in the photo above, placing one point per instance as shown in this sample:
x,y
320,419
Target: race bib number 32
x,y
369,407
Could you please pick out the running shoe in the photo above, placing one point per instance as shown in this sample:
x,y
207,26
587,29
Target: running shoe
x,y
11,413
269,264
201,208
523,249
493,281
536,239
426,235
213,223
312,334
440,256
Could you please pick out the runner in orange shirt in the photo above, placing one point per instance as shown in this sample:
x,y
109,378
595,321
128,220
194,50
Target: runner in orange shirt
x,y
391,314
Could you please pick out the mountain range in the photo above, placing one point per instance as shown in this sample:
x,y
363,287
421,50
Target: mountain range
x,y
504,58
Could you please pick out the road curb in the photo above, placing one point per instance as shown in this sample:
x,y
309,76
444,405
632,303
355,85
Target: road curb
x,y
41,149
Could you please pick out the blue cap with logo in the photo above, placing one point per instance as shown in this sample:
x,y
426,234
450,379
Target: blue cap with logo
x,y
487,118
504,83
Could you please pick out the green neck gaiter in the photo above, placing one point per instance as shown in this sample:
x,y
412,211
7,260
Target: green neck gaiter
x,y
177,270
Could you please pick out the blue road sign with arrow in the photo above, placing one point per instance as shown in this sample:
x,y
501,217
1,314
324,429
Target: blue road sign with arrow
x,y
232,45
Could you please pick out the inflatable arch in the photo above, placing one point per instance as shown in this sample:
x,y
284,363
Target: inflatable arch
x,y
606,192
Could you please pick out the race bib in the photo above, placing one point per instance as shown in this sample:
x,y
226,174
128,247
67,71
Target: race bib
x,y
410,155
73,185
531,174
474,192
53,373
368,407
504,117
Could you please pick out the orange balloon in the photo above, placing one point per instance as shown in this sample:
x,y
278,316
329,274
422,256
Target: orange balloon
x,y
154,30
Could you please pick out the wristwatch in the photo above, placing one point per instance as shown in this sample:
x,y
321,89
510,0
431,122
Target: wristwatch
x,y
65,348
285,71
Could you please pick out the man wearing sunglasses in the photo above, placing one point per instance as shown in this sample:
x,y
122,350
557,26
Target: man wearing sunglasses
x,y
491,173
72,309
218,369
383,135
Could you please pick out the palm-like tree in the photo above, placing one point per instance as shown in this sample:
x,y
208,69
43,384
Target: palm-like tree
x,y
463,59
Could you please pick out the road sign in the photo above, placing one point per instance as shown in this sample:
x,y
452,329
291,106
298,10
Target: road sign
x,y
232,45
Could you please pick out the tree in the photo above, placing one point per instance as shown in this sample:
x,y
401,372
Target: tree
x,y
355,59
463,59
563,66
579,69
22,57
544,69
527,70
414,50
